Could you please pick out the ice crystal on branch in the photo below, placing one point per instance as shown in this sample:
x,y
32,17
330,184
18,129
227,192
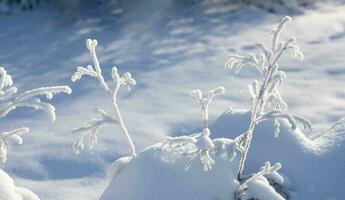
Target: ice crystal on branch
x,y
266,99
95,124
9,101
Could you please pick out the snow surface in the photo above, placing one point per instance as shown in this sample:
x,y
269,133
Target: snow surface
x,y
8,191
312,166
170,49
161,174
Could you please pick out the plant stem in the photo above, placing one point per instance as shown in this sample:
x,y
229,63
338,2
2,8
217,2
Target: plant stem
x,y
113,95
258,106
123,127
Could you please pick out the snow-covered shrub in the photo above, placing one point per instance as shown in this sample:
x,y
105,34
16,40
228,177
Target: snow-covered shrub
x,y
266,99
88,132
9,101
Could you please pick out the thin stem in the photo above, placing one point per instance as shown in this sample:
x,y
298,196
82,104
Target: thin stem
x,y
99,71
113,95
205,117
257,108
123,127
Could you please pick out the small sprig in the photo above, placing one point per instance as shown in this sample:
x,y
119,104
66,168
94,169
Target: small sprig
x,y
7,90
30,99
204,102
125,80
15,136
278,114
91,128
204,143
118,80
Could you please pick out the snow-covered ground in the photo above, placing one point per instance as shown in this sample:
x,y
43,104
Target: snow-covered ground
x,y
170,48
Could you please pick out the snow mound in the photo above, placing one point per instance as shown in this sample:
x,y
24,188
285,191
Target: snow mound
x,y
8,191
314,167
157,173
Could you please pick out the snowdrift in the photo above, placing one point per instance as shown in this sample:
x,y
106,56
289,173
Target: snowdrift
x,y
158,174
314,167
8,191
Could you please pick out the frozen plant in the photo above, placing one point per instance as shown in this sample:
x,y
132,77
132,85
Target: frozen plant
x,y
91,128
266,100
9,101
201,142
204,102
204,144
15,135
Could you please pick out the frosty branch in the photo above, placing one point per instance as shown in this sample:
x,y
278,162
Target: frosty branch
x,y
266,100
254,185
91,128
14,135
95,124
202,142
9,102
205,101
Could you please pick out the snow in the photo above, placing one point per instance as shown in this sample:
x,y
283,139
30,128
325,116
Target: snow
x,y
311,165
8,191
261,189
170,49
157,173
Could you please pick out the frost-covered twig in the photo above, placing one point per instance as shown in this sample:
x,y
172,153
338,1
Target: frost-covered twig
x,y
267,170
96,71
14,135
30,98
204,102
204,144
91,127
265,95
201,142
